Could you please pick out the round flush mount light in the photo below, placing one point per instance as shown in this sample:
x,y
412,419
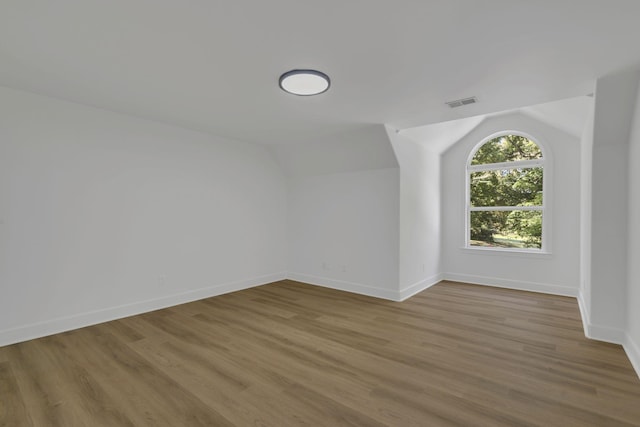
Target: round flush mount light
x,y
304,82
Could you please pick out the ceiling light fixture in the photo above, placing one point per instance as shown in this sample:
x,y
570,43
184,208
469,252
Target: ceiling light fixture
x,y
304,82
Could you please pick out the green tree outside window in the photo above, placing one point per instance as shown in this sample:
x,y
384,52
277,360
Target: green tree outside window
x,y
506,194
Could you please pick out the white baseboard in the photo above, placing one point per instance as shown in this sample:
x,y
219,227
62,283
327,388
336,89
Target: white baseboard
x,y
633,353
420,286
606,334
598,332
356,288
614,336
513,284
584,313
63,324
371,291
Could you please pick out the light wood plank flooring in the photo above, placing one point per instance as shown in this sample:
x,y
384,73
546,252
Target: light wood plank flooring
x,y
289,354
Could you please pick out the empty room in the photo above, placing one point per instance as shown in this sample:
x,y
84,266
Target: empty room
x,y
336,213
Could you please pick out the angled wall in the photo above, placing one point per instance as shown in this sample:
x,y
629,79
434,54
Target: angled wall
x,y
420,221
343,211
606,208
104,215
586,189
632,339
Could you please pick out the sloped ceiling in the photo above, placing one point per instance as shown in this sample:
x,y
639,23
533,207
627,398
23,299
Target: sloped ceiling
x,y
366,148
214,65
438,137
568,115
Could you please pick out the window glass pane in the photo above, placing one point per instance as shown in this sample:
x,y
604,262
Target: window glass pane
x,y
507,187
506,148
506,229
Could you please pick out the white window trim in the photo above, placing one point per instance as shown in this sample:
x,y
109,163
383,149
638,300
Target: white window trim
x,y
522,164
508,208
545,162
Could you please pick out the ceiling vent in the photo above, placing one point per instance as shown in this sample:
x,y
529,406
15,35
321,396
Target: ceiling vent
x,y
460,102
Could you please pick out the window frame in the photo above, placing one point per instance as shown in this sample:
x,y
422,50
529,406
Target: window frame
x,y
544,162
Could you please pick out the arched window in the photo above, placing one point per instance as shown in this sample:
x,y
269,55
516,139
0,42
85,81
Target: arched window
x,y
505,203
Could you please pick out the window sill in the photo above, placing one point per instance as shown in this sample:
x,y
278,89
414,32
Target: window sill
x,y
508,252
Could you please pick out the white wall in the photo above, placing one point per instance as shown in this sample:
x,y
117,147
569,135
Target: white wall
x,y
104,215
586,189
557,272
343,211
632,345
343,231
367,148
420,227
606,275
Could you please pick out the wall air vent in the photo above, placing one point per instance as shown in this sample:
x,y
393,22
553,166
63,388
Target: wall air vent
x,y
460,102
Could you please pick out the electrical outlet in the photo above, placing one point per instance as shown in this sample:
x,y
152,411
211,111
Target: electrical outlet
x,y
162,280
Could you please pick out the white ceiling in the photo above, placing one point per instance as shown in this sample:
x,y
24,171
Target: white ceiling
x,y
213,65
362,149
568,115
437,137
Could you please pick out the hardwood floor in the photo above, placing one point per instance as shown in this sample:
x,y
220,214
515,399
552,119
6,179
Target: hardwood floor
x,y
288,354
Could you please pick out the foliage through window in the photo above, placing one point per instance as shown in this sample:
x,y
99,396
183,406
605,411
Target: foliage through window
x,y
505,205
